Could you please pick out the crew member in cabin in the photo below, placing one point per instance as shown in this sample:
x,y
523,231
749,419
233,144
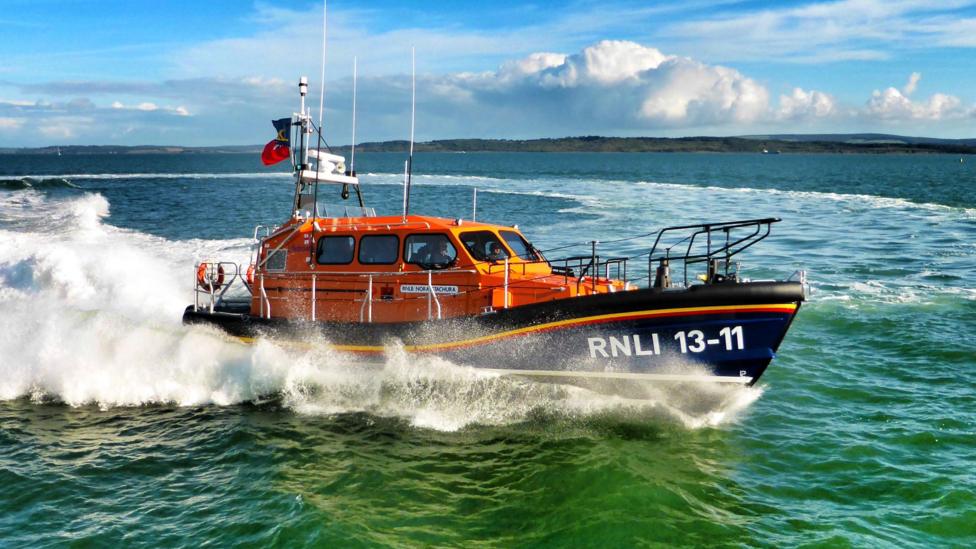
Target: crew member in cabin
x,y
442,255
495,253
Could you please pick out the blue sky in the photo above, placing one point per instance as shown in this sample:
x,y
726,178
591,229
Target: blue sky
x,y
208,73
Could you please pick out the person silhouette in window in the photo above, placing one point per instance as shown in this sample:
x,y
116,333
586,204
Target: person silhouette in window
x,y
495,252
441,255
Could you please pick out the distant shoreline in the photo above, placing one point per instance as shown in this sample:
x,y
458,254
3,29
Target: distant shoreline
x,y
824,144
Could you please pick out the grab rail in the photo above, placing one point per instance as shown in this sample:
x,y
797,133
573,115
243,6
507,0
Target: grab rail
x,y
760,229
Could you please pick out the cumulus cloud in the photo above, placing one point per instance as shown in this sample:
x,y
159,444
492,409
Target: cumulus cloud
x,y
615,84
893,104
806,104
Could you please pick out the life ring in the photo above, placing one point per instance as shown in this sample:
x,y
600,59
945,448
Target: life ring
x,y
206,279
249,275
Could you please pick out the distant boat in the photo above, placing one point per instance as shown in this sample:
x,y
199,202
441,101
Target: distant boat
x,y
59,151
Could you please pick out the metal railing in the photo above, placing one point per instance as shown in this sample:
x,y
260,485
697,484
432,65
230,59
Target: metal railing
x,y
326,209
213,296
216,283
711,251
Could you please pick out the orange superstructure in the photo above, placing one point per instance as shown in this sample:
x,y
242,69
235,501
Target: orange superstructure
x,y
387,269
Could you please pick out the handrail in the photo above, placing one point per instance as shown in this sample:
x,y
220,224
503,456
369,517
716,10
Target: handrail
x,y
356,226
214,294
368,298
373,273
433,294
265,302
761,228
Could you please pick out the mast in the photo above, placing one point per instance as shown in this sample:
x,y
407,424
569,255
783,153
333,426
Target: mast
x,y
352,152
301,155
318,143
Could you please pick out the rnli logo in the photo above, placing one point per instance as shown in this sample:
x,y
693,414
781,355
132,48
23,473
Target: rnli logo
x,y
628,345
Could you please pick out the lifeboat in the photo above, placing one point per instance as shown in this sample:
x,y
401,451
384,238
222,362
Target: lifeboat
x,y
482,295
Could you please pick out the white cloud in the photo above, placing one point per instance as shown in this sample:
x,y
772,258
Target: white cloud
x,y
147,106
912,83
533,63
686,92
614,84
892,105
803,104
605,63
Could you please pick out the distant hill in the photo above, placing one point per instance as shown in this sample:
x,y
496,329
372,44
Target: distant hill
x,y
818,144
779,143
862,138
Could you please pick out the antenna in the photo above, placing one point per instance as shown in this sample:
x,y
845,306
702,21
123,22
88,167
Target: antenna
x,y
325,10
406,170
352,155
413,96
413,110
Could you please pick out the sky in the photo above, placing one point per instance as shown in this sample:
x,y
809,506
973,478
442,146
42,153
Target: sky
x,y
75,72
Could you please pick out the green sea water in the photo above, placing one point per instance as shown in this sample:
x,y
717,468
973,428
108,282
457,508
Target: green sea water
x,y
121,427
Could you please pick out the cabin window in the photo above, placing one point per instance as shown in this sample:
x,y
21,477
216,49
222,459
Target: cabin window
x,y
276,261
430,251
484,246
379,249
336,250
520,247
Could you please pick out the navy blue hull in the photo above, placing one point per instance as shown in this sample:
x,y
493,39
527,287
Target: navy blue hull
x,y
736,346
724,333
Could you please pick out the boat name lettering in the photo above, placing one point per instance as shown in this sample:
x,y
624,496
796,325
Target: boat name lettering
x,y
423,289
730,338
